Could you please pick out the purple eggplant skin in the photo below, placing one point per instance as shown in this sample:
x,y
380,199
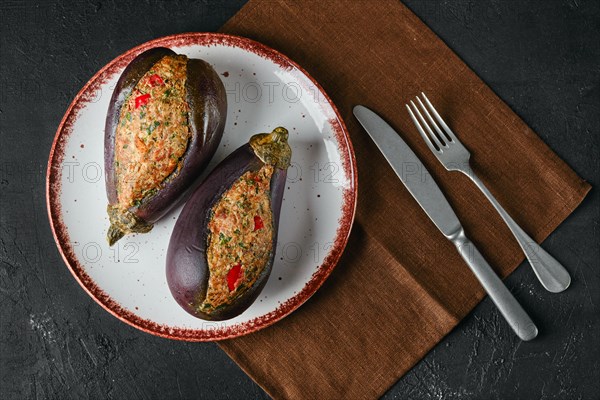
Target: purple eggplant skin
x,y
207,101
186,266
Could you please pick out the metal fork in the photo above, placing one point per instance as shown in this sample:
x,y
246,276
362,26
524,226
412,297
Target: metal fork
x,y
455,157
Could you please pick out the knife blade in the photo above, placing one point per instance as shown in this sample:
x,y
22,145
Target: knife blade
x,y
427,193
410,170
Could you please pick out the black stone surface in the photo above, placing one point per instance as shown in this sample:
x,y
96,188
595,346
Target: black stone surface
x,y
541,57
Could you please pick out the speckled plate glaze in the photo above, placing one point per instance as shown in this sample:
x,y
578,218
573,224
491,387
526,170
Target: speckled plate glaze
x,y
265,89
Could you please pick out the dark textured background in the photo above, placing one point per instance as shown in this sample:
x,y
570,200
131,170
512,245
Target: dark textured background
x,y
541,57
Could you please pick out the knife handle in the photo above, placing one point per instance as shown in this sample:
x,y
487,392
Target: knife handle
x,y
508,306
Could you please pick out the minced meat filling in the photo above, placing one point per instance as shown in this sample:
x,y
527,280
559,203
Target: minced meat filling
x,y
153,131
240,239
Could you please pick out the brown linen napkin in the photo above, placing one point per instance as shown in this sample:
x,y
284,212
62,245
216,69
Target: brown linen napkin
x,y
400,286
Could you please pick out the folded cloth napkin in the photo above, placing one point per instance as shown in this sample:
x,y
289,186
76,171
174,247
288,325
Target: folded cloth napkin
x,y
400,286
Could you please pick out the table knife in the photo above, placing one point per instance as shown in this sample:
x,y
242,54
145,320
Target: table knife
x,y
426,192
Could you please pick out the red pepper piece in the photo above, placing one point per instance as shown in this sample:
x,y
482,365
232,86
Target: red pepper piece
x,y
142,100
258,223
156,80
233,277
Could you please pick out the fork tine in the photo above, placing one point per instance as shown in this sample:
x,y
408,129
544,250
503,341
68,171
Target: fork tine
x,y
447,129
440,135
431,135
421,131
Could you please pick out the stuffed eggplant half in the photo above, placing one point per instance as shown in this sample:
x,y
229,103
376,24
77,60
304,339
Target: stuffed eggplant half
x,y
164,124
223,245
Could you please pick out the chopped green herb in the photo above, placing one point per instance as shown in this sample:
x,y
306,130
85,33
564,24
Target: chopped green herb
x,y
223,239
152,127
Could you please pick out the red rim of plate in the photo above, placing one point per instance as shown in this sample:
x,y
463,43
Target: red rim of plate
x,y
59,230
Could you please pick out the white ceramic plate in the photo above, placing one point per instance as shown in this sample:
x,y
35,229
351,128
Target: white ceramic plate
x,y
264,90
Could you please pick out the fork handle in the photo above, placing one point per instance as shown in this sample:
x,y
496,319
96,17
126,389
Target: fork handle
x,y
508,306
552,275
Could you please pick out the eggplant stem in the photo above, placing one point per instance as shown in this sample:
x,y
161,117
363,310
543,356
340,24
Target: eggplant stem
x,y
114,234
123,222
273,148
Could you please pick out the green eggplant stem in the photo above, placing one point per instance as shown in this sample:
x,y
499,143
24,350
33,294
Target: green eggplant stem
x,y
273,148
123,222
